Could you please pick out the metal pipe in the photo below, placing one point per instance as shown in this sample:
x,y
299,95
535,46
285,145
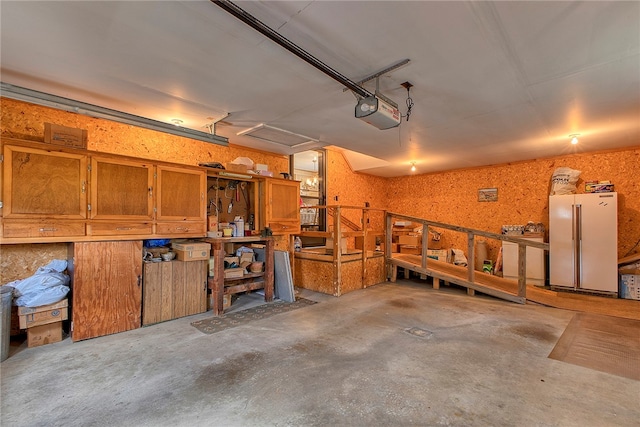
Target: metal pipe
x,y
262,28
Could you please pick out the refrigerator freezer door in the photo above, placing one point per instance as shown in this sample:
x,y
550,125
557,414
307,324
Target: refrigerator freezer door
x,y
596,249
561,241
599,243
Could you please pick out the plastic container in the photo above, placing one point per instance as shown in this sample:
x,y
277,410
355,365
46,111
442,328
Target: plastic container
x,y
6,293
297,244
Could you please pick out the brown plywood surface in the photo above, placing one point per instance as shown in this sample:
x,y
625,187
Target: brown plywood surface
x,y
314,275
604,343
625,308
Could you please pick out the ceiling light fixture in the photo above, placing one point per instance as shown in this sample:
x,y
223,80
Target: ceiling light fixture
x,y
574,138
413,166
177,122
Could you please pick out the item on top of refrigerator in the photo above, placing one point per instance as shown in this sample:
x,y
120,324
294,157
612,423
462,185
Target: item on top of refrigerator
x,y
513,230
563,181
598,187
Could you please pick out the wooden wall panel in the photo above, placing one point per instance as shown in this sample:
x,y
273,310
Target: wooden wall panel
x,y
354,189
314,275
26,121
523,191
22,261
351,277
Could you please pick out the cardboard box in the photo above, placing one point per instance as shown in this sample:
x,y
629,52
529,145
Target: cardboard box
x,y
371,241
438,254
598,187
411,250
233,167
44,334
192,255
192,251
227,300
43,315
234,273
410,240
191,246
66,136
629,286
343,245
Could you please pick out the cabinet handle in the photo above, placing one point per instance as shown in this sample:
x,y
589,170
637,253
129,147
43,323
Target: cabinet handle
x,y
42,230
182,229
84,184
139,280
123,228
150,191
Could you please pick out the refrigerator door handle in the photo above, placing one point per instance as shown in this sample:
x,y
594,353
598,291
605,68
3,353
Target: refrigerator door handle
x,y
578,246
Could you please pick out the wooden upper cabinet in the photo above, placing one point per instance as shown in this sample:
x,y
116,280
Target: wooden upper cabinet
x,y
181,194
121,189
281,200
40,183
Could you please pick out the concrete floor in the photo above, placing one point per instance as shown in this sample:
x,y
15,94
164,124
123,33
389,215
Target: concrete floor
x,y
348,361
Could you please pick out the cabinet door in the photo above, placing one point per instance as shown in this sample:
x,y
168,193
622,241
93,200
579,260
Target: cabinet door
x,y
121,189
157,292
41,183
181,194
106,288
189,287
282,210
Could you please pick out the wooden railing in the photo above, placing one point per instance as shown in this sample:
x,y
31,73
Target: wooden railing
x,y
337,234
471,235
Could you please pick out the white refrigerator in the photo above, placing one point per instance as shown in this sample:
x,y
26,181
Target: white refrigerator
x,y
583,241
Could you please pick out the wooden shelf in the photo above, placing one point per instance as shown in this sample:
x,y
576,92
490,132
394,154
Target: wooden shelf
x,y
221,286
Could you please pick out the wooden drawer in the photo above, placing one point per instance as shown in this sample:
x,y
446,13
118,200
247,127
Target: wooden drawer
x,y
27,229
182,228
284,227
119,228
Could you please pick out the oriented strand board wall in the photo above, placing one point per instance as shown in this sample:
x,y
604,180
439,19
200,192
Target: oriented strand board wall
x,y
26,121
22,261
523,191
354,189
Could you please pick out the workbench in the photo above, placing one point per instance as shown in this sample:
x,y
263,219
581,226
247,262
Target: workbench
x,y
222,246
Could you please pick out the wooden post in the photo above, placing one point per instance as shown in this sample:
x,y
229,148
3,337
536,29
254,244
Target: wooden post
x,y
337,251
365,222
425,244
522,270
218,277
470,261
387,246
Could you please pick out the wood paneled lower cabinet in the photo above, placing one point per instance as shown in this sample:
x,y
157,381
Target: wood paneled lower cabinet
x,y
173,289
106,283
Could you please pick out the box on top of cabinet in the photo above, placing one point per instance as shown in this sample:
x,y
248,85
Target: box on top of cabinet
x,y
191,246
64,135
191,250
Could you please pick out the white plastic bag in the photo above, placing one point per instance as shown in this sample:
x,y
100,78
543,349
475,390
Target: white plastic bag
x,y
47,286
563,181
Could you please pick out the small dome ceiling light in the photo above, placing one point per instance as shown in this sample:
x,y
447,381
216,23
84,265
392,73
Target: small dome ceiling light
x,y
413,166
177,122
574,138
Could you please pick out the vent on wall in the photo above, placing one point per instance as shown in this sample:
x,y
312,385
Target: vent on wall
x,y
277,136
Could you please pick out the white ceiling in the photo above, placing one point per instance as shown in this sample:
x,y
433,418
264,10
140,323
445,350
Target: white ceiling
x,y
494,82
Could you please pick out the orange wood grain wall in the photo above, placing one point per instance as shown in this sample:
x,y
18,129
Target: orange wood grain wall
x,y
26,121
523,191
